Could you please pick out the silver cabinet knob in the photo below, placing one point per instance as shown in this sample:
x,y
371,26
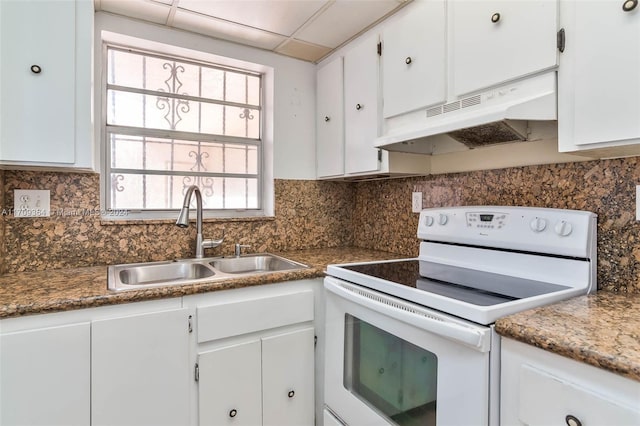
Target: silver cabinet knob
x,y
495,18
408,60
36,69
629,5
291,393
359,106
327,119
233,413
572,420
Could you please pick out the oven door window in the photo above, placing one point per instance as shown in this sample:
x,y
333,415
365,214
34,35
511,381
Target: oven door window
x,y
391,375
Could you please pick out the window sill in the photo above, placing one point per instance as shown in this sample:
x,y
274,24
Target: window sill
x,y
108,222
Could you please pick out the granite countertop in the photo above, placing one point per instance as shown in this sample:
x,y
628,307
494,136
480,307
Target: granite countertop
x,y
602,329
28,293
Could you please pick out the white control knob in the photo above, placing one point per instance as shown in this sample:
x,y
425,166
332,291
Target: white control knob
x,y
442,219
428,220
538,224
563,228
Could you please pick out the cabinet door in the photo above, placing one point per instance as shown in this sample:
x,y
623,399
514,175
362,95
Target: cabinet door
x,y
546,399
229,386
361,106
497,41
45,376
330,122
413,58
37,122
140,370
287,379
599,74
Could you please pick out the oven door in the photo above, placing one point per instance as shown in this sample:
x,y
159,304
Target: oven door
x,y
389,361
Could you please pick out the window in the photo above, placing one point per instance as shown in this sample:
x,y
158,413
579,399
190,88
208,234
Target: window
x,y
170,123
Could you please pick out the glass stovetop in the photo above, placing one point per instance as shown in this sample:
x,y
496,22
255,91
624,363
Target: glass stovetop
x,y
466,285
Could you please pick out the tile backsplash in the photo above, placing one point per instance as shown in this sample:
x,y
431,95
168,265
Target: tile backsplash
x,y
317,214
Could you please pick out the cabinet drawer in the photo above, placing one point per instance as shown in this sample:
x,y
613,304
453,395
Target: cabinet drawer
x,y
548,399
234,318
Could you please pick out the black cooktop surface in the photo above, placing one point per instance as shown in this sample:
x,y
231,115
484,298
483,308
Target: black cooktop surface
x,y
467,285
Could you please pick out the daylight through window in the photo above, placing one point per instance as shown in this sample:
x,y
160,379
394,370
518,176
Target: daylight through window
x,y
172,123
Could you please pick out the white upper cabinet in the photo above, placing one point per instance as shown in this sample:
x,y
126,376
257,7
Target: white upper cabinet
x,y
45,83
361,106
413,58
330,120
493,42
599,78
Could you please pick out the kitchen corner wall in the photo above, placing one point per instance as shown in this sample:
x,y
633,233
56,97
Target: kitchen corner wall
x,y
383,220
308,214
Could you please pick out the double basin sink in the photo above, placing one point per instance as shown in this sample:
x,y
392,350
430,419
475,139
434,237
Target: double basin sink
x,y
190,271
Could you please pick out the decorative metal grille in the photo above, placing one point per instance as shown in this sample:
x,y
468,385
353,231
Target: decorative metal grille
x,y
172,123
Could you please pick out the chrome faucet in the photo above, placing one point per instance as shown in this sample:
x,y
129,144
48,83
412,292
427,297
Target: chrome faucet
x,y
183,221
238,249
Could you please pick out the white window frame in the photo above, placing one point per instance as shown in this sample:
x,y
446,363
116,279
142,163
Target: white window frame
x,y
265,165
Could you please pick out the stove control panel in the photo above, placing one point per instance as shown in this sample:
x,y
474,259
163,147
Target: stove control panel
x,y
541,230
486,220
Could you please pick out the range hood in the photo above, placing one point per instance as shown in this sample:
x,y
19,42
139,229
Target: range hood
x,y
496,116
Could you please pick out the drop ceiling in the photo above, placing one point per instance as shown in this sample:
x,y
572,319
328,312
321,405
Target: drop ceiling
x,y
303,29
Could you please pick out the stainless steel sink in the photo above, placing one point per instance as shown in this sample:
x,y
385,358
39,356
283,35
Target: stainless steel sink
x,y
189,271
254,263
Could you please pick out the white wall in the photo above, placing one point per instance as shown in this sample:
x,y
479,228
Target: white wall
x,y
294,98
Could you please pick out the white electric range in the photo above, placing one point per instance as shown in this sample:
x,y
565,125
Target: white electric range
x,y
412,340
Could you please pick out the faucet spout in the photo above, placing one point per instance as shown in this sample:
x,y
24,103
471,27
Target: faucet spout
x,y
183,221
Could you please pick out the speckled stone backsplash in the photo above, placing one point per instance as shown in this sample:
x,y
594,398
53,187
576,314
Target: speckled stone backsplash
x,y
383,220
320,214
308,214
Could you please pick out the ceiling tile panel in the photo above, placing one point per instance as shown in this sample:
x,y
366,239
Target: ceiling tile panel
x,y
226,30
304,29
141,9
301,50
277,16
345,19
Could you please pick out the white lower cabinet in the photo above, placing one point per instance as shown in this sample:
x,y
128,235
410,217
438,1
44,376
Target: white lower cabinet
x,y
287,378
133,364
140,372
540,388
114,365
255,361
230,390
268,381
45,376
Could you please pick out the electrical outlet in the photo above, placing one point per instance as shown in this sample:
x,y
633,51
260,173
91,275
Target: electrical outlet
x,y
31,203
416,202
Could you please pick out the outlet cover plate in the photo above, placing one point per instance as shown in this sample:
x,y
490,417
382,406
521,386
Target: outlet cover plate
x,y
416,202
31,203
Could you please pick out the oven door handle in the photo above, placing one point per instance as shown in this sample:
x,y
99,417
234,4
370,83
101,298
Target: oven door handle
x,y
405,312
